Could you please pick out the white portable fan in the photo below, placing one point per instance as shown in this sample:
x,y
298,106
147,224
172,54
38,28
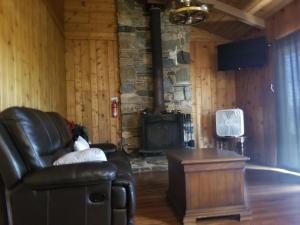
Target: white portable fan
x,y
230,123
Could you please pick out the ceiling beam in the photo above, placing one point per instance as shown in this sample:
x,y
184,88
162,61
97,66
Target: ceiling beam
x,y
241,15
258,5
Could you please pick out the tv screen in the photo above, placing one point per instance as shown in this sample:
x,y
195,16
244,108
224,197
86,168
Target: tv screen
x,y
243,54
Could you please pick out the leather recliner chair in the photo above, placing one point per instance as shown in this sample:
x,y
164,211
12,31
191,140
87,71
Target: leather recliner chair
x,y
33,192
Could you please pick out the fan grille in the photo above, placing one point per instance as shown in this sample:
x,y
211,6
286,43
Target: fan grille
x,y
230,123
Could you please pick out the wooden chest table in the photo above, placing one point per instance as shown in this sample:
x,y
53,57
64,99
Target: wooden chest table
x,y
207,183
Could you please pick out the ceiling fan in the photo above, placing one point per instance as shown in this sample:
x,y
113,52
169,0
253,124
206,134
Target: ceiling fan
x,y
189,12
192,12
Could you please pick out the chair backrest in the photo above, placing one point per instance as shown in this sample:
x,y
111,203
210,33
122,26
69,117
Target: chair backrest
x,y
62,127
39,137
12,166
3,208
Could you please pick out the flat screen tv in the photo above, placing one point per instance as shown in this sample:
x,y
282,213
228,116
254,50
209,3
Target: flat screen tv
x,y
243,54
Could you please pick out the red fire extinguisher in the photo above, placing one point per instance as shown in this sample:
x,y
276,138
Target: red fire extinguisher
x,y
114,107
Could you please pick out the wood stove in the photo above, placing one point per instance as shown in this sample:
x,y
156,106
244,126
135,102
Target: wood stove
x,y
160,130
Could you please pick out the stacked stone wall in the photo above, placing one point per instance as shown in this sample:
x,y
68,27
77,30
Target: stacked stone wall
x,y
136,67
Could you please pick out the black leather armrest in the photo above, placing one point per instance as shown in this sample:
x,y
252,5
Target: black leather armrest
x,y
106,147
128,182
71,175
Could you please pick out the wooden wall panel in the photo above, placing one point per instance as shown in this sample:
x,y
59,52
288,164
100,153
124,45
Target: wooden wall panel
x,y
90,18
212,90
92,67
32,71
56,10
254,94
255,97
91,83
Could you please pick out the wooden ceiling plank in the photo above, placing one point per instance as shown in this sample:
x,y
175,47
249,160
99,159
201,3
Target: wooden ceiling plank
x,y
280,5
241,15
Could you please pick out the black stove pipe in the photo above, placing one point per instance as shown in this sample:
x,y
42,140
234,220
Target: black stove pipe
x,y
157,62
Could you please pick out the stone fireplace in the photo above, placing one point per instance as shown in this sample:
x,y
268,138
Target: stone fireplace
x,y
138,88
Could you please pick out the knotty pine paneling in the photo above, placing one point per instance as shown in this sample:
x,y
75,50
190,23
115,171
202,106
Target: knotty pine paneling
x,y
56,9
92,66
212,90
32,71
92,69
90,18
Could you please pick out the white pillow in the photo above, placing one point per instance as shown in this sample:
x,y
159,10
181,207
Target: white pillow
x,y
88,155
81,144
